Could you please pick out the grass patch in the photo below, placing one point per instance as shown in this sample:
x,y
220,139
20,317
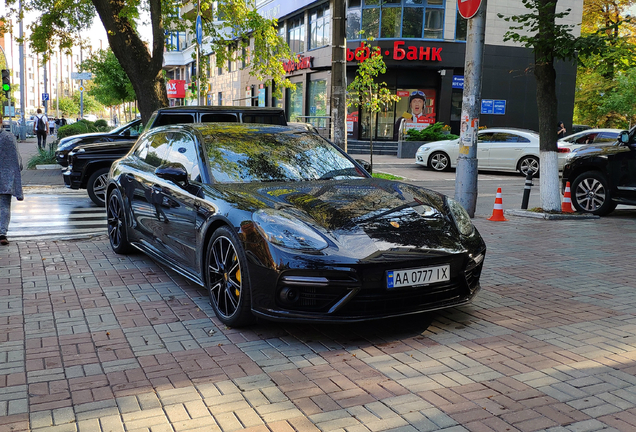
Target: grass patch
x,y
44,157
540,210
386,176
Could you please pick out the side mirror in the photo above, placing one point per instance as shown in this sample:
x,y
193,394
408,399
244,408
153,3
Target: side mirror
x,y
174,172
366,165
624,137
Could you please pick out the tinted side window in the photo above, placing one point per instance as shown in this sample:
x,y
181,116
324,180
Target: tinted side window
x,y
183,150
169,119
216,118
485,137
157,149
263,118
508,137
606,137
586,139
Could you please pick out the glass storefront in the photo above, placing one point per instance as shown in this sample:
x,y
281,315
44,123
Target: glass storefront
x,y
295,103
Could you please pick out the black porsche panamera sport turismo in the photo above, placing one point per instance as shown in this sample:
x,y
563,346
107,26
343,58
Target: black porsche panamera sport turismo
x,y
279,223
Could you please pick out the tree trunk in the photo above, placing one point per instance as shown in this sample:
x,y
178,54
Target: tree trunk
x,y
547,107
142,68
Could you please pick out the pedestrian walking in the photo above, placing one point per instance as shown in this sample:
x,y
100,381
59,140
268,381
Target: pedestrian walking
x,y
10,180
51,126
40,128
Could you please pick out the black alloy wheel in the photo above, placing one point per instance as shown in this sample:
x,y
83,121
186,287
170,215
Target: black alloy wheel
x,y
529,163
227,279
591,194
96,186
439,161
116,222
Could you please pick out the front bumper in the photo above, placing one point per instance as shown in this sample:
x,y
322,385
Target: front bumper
x,y
72,180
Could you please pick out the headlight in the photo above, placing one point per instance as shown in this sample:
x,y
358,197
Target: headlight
x,y
68,144
423,149
287,232
461,217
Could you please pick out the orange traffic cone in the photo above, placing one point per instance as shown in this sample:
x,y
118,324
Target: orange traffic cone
x,y
497,213
566,205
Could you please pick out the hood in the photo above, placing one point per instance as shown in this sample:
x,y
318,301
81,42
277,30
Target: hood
x,y
104,146
597,150
389,214
91,135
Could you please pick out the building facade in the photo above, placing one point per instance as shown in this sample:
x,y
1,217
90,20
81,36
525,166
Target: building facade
x,y
423,44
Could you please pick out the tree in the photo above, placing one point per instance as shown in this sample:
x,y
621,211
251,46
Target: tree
x,y
364,91
61,21
549,41
110,84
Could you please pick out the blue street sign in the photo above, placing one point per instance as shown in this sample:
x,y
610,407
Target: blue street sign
x,y
458,81
499,107
486,106
199,30
45,96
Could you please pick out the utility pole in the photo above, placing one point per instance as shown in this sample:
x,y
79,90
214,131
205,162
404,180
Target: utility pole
x,y
466,172
338,74
44,101
81,83
22,89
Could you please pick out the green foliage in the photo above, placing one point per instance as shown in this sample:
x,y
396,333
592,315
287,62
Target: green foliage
x,y
386,176
81,127
110,84
67,106
432,133
43,157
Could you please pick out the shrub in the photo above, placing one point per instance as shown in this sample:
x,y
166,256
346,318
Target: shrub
x,y
82,126
43,157
101,123
432,133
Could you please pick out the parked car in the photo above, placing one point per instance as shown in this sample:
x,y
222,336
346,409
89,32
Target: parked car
x,y
603,176
87,165
589,136
123,133
497,149
279,223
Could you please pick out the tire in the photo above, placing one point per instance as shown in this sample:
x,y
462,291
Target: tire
x,y
227,279
116,222
439,161
528,162
591,194
96,186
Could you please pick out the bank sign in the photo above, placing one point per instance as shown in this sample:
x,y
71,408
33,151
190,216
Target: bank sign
x,y
399,51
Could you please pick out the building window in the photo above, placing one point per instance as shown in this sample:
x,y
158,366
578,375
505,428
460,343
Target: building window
x,y
320,27
394,19
220,98
296,35
461,26
295,102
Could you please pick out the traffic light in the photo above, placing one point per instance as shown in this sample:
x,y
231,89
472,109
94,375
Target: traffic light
x,y
6,81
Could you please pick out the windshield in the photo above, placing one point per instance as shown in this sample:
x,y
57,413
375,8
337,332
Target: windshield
x,y
121,128
265,156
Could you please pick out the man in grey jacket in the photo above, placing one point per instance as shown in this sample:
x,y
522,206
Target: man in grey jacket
x,y
10,180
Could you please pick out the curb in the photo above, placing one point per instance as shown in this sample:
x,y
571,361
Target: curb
x,y
47,167
551,216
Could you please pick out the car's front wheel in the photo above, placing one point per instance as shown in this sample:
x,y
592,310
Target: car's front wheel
x,y
439,161
227,279
591,194
96,186
116,222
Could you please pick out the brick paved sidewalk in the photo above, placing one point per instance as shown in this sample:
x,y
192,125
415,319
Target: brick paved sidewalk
x,y
93,341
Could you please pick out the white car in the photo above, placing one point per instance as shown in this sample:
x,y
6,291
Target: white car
x,y
575,141
497,149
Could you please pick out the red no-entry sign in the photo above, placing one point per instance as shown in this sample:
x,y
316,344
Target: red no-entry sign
x,y
468,8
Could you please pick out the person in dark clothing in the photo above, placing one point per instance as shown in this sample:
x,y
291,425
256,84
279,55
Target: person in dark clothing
x,y
10,180
561,130
41,128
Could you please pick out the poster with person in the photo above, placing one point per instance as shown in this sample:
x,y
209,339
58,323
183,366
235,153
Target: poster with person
x,y
417,107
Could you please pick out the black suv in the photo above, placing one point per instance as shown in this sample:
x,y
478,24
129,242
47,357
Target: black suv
x,y
126,132
88,165
601,177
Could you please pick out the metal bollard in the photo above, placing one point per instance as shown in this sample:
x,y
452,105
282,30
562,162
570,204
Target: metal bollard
x,y
526,190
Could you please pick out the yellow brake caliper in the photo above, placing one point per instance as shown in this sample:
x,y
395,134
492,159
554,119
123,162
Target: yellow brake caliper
x,y
238,278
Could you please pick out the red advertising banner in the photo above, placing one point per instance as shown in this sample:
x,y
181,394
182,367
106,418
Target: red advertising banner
x,y
176,89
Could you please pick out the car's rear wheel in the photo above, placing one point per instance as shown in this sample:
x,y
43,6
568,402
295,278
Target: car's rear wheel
x,y
439,161
591,194
227,279
96,186
116,222
528,163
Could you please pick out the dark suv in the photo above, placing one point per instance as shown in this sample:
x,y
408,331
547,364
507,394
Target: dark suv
x,y
88,165
601,177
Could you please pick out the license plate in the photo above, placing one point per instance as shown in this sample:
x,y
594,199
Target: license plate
x,y
417,276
